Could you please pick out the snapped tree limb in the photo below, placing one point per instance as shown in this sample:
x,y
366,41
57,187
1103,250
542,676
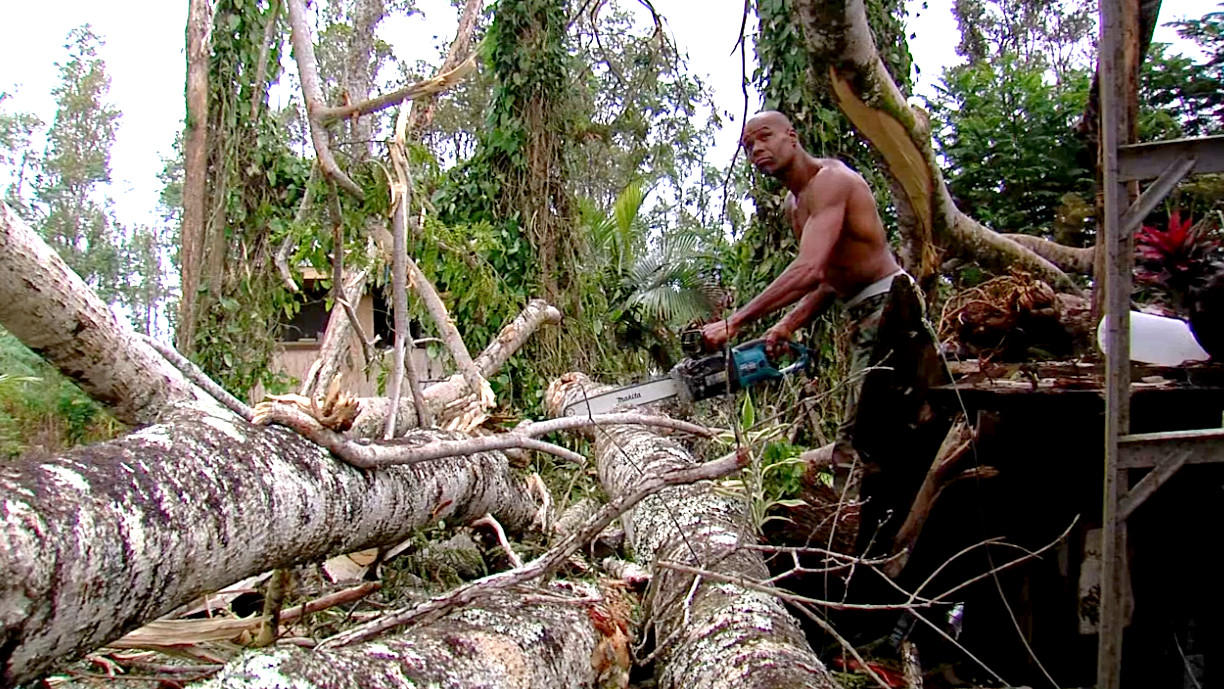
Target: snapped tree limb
x,y
841,48
308,72
423,107
511,338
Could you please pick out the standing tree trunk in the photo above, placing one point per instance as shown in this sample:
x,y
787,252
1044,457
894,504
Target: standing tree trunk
x,y
195,168
697,622
359,72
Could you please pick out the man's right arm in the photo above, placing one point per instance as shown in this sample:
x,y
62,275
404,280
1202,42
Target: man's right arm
x,y
808,308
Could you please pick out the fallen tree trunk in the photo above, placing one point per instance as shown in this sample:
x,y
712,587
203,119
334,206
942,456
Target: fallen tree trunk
x,y
711,634
111,536
53,312
510,641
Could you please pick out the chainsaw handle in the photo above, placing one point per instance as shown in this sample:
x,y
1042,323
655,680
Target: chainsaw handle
x,y
803,355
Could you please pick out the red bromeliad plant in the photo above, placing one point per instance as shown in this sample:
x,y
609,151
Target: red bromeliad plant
x,y
1173,257
1183,259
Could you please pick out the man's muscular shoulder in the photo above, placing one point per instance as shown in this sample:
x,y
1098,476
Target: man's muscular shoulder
x,y
833,183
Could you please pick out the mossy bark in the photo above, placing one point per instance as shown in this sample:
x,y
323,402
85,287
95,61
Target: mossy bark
x,y
714,634
509,641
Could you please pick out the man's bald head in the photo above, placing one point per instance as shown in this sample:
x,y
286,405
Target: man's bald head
x,y
770,142
771,117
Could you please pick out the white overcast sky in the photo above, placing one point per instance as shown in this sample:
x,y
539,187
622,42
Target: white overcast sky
x,y
144,58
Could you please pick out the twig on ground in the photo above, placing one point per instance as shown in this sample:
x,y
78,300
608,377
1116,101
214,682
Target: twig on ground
x,y
488,520
160,634
274,599
841,641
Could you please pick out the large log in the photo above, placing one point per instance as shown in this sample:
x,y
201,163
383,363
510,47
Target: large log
x,y
509,641
712,634
105,538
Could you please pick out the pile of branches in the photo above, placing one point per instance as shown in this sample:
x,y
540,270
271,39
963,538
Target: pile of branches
x,y
1011,317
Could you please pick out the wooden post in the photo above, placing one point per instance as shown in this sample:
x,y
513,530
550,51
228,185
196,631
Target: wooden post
x,y
1119,67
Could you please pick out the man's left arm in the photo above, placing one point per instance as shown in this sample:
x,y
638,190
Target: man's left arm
x,y
807,272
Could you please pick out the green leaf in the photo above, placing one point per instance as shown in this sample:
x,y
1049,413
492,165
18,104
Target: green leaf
x,y
747,413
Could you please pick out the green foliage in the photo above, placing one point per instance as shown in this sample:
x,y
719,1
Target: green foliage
x,y
638,112
40,410
653,285
513,181
774,471
1057,36
1181,96
255,185
1006,134
76,162
17,152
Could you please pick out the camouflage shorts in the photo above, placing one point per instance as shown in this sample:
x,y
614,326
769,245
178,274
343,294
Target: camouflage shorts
x,y
865,319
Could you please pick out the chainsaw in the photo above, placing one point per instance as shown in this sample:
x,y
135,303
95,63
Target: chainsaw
x,y
699,378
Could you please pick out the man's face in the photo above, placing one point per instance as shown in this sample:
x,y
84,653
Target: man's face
x,y
768,144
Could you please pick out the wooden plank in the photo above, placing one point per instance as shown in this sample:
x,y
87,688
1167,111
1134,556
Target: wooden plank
x,y
1143,450
1146,487
1148,161
1154,194
1118,65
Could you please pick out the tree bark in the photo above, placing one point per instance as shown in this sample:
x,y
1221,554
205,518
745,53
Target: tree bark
x,y
359,71
53,311
1068,258
698,622
840,48
337,339
195,168
308,73
105,538
510,641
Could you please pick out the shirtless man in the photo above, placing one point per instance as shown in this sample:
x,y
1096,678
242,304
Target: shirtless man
x,y
843,250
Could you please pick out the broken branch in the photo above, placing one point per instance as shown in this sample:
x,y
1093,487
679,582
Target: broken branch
x,y
436,84
308,72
